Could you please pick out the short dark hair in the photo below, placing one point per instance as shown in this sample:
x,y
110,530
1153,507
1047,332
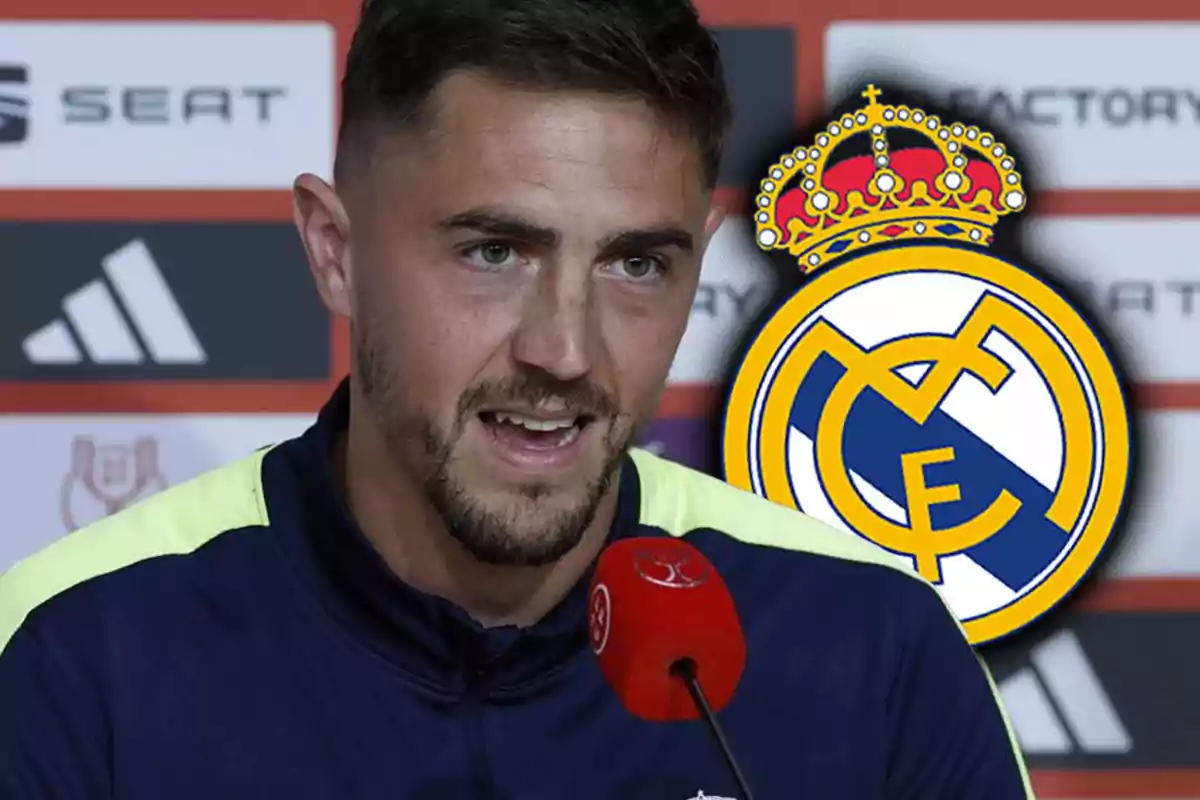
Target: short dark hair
x,y
655,50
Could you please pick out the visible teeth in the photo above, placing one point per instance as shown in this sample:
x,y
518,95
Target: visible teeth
x,y
535,424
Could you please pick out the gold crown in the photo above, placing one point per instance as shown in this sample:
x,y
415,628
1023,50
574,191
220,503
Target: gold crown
x,y
831,210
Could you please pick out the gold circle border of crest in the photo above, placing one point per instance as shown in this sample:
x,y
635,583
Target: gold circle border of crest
x,y
1114,420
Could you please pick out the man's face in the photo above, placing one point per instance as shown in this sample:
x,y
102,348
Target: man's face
x,y
522,273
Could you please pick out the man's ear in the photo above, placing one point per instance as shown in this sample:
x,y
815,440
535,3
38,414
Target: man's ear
x,y
716,215
324,229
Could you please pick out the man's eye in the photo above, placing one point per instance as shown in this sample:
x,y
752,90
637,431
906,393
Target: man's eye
x,y
495,254
641,267
491,255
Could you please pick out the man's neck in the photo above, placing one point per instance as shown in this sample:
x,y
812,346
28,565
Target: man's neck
x,y
407,532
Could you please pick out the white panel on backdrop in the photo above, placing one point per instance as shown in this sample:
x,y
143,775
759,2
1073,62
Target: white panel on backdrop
x,y
1097,105
147,105
61,473
1142,278
1162,534
736,281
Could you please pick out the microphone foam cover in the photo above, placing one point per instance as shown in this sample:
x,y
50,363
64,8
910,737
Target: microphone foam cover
x,y
654,601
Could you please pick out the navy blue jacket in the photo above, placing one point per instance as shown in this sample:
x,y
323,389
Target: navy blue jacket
x,y
236,637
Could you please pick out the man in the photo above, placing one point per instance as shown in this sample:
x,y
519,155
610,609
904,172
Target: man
x,y
394,604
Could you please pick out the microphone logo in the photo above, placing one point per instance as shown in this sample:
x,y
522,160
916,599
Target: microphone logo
x,y
673,569
599,618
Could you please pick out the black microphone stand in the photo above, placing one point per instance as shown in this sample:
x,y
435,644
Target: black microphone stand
x,y
685,669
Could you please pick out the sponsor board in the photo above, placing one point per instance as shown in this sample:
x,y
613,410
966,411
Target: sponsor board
x,y
147,105
65,472
1104,691
127,301
736,283
1140,277
1097,105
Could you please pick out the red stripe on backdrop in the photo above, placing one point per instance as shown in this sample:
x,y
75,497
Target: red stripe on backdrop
x,y
146,206
1182,784
1138,594
692,400
1167,396
767,12
342,13
162,397
255,206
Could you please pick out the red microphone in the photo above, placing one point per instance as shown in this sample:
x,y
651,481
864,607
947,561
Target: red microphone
x,y
666,633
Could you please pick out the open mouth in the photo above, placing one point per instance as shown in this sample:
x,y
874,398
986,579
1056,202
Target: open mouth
x,y
530,432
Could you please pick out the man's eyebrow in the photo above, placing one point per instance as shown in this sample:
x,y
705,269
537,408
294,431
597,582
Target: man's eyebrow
x,y
512,226
640,241
502,225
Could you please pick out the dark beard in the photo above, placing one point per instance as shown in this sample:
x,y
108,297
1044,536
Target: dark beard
x,y
490,537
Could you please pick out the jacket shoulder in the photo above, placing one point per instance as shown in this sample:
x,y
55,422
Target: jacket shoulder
x,y
678,500
177,521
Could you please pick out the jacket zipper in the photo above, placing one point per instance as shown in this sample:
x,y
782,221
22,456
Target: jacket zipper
x,y
474,699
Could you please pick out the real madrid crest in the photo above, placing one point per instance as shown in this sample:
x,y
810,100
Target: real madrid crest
x,y
921,392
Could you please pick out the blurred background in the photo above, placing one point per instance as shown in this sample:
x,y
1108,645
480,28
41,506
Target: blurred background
x,y
157,320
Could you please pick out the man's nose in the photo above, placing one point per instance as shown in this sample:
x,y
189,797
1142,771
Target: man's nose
x,y
558,331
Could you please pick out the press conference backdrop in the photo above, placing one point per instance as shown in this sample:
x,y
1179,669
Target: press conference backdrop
x,y
156,319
